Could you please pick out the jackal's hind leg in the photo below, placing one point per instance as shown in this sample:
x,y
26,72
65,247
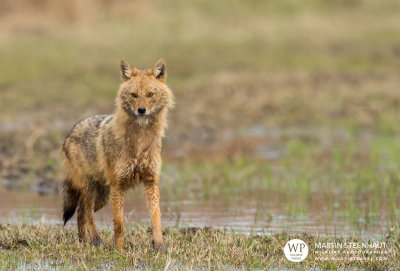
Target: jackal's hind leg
x,y
88,202
81,221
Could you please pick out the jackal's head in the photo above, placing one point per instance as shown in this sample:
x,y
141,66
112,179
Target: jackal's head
x,y
143,94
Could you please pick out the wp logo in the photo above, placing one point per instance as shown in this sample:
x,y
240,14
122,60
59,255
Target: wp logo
x,y
295,250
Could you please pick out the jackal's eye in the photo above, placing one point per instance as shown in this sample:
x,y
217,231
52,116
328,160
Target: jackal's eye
x,y
150,94
134,95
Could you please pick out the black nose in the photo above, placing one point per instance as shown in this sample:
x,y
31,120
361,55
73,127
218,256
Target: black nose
x,y
141,110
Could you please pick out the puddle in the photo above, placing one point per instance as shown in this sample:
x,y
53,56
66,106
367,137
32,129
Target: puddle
x,y
241,215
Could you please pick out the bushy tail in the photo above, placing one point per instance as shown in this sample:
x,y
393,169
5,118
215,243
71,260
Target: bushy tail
x,y
71,199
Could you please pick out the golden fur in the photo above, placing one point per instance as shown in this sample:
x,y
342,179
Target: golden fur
x,y
108,154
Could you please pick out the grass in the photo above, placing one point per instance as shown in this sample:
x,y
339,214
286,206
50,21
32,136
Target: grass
x,y
188,248
361,176
278,103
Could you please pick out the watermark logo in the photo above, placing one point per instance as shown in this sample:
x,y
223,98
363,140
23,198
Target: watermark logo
x,y
295,250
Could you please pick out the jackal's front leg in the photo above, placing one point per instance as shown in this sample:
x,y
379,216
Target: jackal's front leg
x,y
116,202
153,204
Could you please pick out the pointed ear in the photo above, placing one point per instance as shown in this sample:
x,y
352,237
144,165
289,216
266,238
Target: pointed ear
x,y
126,71
160,70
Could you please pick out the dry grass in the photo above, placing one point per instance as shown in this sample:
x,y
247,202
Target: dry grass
x,y
190,248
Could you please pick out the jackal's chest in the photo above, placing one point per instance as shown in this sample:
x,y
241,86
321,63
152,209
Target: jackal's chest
x,y
133,170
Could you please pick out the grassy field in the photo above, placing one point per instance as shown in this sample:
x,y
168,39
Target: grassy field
x,y
46,247
281,103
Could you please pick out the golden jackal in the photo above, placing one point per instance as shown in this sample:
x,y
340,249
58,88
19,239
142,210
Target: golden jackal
x,y
107,154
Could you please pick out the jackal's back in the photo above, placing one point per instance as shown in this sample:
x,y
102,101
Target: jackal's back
x,y
80,152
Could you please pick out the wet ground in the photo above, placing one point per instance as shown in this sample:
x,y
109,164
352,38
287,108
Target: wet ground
x,y
30,207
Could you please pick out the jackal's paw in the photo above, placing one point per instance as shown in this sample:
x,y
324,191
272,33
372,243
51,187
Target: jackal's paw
x,y
82,240
97,241
119,244
159,247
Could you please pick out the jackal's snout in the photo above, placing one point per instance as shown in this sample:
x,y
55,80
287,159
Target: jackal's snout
x,y
141,110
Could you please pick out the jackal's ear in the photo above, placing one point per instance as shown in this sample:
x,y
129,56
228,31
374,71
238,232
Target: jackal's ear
x,y
160,70
126,71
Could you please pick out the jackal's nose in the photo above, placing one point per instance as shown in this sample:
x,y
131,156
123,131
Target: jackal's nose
x,y
141,110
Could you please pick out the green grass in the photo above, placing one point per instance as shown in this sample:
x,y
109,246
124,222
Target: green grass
x,y
356,179
57,248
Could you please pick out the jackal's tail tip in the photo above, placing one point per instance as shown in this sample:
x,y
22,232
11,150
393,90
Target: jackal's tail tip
x,y
67,215
71,198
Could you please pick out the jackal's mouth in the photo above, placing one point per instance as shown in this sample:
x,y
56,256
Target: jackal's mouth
x,y
142,115
142,120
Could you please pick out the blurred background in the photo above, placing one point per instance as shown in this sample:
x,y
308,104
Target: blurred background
x,y
286,118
